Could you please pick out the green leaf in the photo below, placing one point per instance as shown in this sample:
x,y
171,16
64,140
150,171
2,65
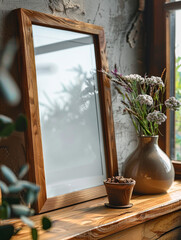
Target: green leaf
x,y
9,89
6,126
4,119
21,210
30,185
46,223
34,234
30,196
8,174
178,141
23,171
6,129
6,232
21,123
4,187
27,221
9,53
15,188
5,210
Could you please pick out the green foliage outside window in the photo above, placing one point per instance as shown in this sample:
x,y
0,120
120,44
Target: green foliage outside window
x,y
178,113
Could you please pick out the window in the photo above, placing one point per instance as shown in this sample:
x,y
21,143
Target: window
x,y
173,60
174,74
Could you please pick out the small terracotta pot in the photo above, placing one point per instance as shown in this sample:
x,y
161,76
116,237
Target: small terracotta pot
x,y
119,194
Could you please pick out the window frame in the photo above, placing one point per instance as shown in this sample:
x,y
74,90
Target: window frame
x,y
169,7
157,57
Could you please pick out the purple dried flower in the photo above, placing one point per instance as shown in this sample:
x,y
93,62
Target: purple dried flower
x,y
154,81
145,99
172,103
156,117
135,77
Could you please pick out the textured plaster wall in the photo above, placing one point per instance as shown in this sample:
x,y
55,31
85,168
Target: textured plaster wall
x,y
115,16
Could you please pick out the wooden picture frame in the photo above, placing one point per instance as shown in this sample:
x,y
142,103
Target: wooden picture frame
x,y
30,99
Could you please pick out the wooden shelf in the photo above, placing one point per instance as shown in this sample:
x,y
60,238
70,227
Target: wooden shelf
x,y
92,220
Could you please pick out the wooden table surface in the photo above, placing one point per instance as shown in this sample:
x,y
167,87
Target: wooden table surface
x,y
92,220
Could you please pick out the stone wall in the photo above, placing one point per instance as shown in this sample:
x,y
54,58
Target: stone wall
x,y
116,16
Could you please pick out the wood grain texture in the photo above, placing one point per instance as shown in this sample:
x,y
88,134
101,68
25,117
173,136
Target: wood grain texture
x,y
91,220
175,234
172,6
159,58
106,109
30,98
156,47
167,137
165,227
177,167
49,20
72,198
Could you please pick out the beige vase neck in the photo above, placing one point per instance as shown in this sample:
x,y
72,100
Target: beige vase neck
x,y
143,140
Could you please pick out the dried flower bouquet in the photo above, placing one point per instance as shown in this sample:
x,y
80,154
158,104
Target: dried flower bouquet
x,y
143,98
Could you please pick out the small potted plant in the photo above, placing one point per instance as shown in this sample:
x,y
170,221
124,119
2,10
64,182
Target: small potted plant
x,y
119,191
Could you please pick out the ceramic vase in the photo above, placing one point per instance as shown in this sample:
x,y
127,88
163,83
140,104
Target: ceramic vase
x,y
150,167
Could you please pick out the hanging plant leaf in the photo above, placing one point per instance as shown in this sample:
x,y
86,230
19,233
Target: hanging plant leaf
x,y
21,123
8,209
4,119
8,174
21,210
30,185
34,234
9,53
36,195
27,221
46,223
15,188
23,171
5,211
8,88
5,123
7,130
6,232
30,197
4,187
